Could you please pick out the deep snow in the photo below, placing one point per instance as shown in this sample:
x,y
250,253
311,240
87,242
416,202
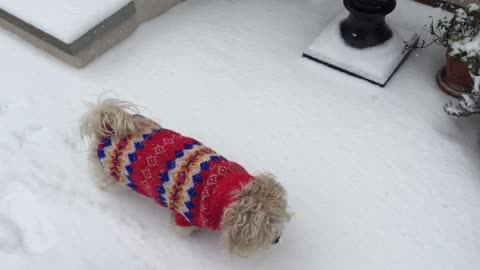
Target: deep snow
x,y
65,20
378,178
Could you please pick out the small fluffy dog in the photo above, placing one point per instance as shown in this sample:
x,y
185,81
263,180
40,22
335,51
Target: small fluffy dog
x,y
201,188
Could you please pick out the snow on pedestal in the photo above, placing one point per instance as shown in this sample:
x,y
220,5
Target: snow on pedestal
x,y
376,64
65,20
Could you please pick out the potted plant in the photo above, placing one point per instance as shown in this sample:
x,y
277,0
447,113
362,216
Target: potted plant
x,y
467,104
460,35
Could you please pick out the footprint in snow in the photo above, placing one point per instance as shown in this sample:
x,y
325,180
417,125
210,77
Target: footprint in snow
x,y
7,106
73,142
35,128
36,237
24,218
10,236
3,108
28,134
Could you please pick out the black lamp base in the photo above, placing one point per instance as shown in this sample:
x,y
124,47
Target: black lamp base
x,y
366,26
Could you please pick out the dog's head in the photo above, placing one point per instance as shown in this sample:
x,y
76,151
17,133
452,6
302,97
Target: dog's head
x,y
255,220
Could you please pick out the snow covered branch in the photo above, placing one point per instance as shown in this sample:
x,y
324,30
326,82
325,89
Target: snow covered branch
x,y
466,105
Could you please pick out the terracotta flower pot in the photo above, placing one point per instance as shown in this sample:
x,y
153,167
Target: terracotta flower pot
x,y
454,79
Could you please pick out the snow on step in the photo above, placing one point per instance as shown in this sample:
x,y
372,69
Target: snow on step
x,y
376,64
64,19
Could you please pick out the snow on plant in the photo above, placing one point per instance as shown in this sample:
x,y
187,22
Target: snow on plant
x,y
473,7
460,34
450,30
467,104
464,43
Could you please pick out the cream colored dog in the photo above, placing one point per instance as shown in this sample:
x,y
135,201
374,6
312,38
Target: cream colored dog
x,y
200,187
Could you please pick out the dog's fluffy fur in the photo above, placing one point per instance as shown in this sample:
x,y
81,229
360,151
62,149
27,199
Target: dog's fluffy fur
x,y
251,223
257,216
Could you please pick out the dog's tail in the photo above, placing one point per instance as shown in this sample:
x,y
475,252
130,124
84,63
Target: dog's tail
x,y
113,117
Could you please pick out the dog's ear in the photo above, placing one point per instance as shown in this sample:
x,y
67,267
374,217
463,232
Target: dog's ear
x,y
113,117
256,217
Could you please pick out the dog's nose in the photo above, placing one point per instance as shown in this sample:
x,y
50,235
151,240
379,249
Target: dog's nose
x,y
276,240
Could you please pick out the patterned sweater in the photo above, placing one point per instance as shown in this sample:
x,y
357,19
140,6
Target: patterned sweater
x,y
177,172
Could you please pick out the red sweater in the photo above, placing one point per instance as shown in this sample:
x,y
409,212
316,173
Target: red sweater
x,y
177,172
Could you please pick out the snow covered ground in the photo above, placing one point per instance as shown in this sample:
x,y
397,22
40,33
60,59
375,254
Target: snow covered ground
x,y
379,178
65,20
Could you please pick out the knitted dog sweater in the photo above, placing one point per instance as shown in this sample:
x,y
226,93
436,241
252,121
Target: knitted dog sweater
x,y
177,172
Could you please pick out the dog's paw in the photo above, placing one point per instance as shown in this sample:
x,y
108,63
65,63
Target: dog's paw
x,y
107,183
110,187
183,231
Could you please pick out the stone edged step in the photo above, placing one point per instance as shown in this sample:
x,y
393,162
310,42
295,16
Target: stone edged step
x,y
97,40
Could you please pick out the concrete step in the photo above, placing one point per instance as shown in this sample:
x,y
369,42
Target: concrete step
x,y
93,43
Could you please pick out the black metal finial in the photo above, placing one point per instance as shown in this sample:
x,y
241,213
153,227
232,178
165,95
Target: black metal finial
x,y
365,26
